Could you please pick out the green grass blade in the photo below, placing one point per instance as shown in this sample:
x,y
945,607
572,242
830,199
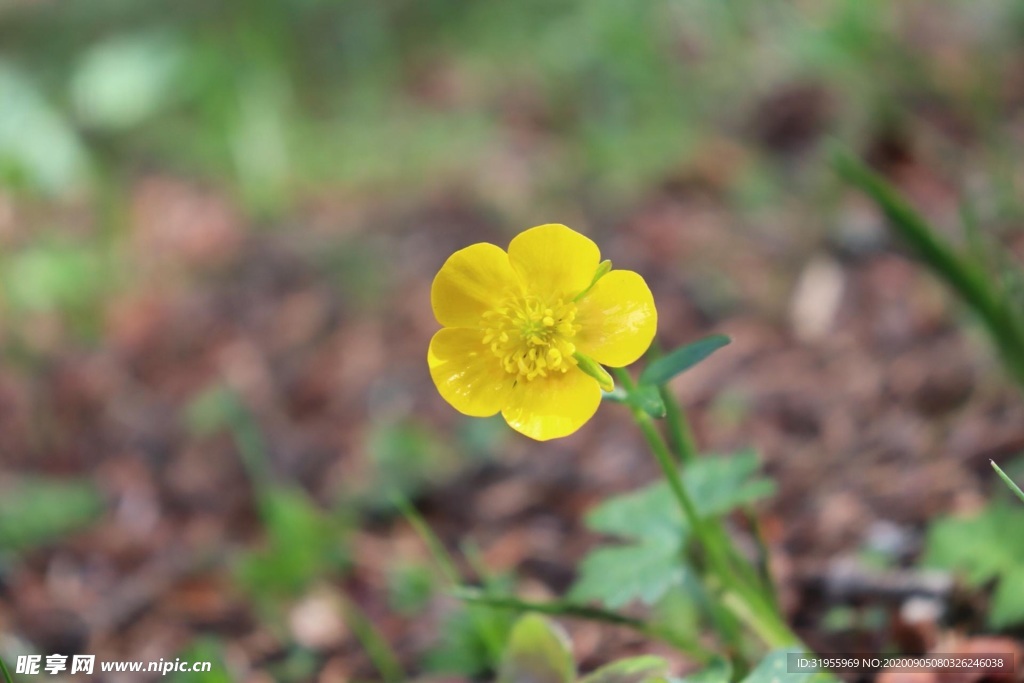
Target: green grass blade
x,y
5,672
375,645
1009,482
964,276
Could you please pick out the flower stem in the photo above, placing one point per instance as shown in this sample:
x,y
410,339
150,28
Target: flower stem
x,y
678,427
747,602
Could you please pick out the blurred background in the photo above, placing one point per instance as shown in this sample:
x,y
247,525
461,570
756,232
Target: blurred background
x,y
219,223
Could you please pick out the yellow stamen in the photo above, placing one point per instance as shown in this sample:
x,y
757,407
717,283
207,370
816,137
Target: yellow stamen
x,y
530,337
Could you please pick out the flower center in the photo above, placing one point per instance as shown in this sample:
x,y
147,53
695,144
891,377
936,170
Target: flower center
x,y
531,337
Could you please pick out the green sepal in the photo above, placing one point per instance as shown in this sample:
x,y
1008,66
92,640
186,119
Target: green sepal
x,y
594,369
644,397
602,269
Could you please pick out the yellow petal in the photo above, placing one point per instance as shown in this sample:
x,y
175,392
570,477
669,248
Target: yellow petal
x,y
553,406
617,318
553,260
471,281
466,373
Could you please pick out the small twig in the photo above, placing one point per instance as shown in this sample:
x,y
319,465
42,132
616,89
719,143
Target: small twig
x,y
566,609
852,581
137,593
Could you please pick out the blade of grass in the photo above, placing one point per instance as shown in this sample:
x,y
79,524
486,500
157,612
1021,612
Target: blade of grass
x,y
446,565
5,672
441,557
1009,482
375,645
964,276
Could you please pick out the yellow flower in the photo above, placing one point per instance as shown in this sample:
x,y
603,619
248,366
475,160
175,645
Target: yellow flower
x,y
519,325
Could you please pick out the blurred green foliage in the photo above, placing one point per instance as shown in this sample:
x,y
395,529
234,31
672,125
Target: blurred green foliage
x,y
987,547
303,544
34,510
274,97
204,650
597,100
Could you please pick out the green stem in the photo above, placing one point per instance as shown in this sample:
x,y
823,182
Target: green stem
x,y
764,570
437,550
748,603
683,443
678,427
380,653
490,630
573,610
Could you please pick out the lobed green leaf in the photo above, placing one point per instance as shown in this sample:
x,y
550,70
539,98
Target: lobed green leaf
x,y
652,564
986,547
618,575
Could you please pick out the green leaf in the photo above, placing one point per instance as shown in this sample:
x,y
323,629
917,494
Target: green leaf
x,y
46,277
717,484
681,359
123,80
719,671
985,547
303,543
34,511
618,575
538,651
648,568
649,513
207,649
1008,600
774,668
632,670
38,146
678,613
